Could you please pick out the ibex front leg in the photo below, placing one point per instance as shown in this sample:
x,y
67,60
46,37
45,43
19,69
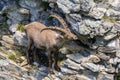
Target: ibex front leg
x,y
56,60
50,61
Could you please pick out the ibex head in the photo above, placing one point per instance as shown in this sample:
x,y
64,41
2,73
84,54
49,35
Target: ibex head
x,y
70,35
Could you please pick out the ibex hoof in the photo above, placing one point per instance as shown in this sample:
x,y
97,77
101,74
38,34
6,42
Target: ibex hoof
x,y
30,60
58,69
51,72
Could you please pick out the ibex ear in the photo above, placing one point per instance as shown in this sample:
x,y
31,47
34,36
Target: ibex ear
x,y
49,18
60,37
61,33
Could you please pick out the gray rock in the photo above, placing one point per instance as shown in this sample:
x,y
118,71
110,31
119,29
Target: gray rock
x,y
86,5
111,43
41,73
69,77
114,60
83,29
87,75
10,70
93,67
15,16
96,23
105,76
6,6
93,27
23,11
99,42
66,71
31,3
103,56
77,57
84,76
4,63
20,38
33,7
70,7
107,49
73,65
119,66
7,39
115,4
109,36
110,69
43,18
13,27
97,12
91,58
74,20
113,14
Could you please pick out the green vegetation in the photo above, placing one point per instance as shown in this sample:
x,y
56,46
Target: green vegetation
x,y
107,18
21,27
1,58
16,55
17,1
12,57
3,25
3,51
33,67
45,5
118,77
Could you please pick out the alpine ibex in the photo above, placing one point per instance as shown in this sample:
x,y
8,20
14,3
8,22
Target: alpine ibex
x,y
49,38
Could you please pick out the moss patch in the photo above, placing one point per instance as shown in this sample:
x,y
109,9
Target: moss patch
x,y
45,5
110,19
12,57
21,27
118,77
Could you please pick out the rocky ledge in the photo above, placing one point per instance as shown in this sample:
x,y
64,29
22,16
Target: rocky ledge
x,y
95,56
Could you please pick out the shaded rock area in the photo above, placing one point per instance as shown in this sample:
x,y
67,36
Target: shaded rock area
x,y
94,56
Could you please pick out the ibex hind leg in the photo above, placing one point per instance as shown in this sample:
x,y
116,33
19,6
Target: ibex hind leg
x,y
35,54
28,52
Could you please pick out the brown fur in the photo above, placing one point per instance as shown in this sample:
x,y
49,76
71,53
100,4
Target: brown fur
x,y
47,39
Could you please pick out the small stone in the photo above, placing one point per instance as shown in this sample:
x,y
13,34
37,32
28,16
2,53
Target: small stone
x,y
36,64
103,56
105,76
87,75
23,11
97,12
113,14
93,67
70,7
86,5
8,39
46,78
110,69
65,70
77,57
109,37
114,4
23,58
13,27
73,65
91,58
20,38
